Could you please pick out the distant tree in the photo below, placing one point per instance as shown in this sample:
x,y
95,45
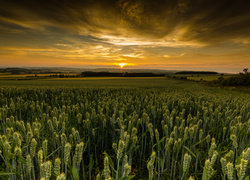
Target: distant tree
x,y
245,70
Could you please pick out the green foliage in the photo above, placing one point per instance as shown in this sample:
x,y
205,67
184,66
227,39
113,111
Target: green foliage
x,y
204,174
75,172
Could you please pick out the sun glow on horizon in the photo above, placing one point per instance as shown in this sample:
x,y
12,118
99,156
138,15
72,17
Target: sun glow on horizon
x,y
122,64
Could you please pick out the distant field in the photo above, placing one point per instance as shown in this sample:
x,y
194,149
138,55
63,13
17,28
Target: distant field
x,y
20,76
7,73
8,76
102,82
208,78
105,78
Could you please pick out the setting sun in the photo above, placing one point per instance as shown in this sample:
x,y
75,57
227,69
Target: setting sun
x,y
122,64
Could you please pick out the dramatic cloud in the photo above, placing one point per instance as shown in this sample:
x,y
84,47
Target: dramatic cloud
x,y
123,29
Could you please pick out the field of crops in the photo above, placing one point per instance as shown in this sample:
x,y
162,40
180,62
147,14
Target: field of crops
x,y
137,128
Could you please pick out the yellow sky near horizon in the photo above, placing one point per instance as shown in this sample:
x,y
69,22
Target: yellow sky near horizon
x,y
179,35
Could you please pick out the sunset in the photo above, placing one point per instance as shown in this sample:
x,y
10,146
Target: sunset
x,y
122,64
124,89
172,35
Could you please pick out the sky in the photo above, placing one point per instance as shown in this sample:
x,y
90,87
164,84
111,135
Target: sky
x,y
204,35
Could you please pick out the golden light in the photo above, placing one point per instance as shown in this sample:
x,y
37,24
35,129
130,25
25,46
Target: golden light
x,y
122,64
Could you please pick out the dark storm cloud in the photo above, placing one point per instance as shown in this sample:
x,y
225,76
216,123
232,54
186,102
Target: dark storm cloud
x,y
204,21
